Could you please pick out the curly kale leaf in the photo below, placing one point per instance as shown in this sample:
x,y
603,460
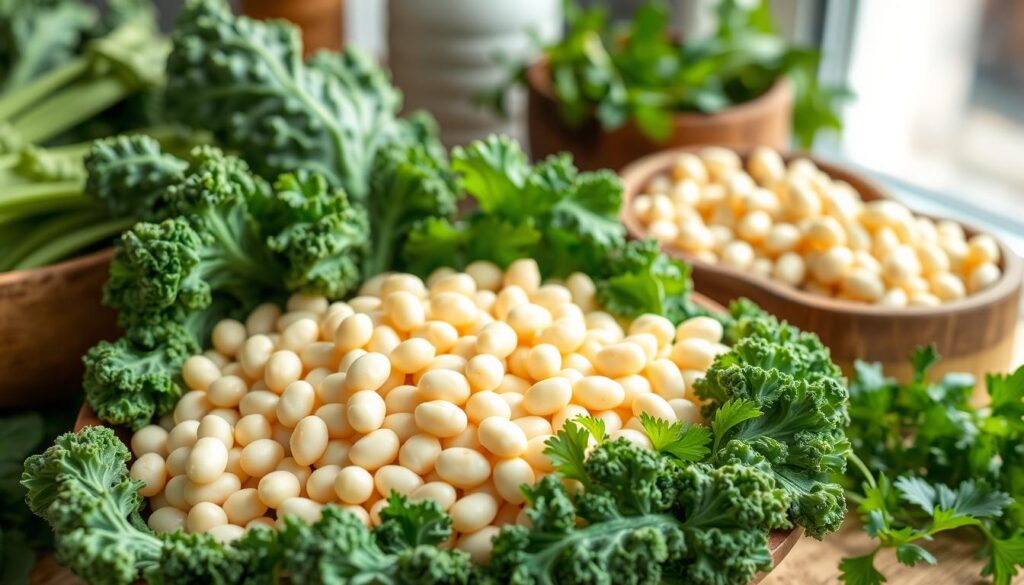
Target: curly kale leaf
x,y
245,81
748,320
127,384
406,525
317,234
212,246
634,548
798,436
410,185
129,173
338,549
641,518
80,485
639,279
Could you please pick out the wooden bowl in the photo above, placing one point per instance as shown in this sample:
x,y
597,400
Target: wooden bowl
x,y
765,120
49,317
779,541
974,335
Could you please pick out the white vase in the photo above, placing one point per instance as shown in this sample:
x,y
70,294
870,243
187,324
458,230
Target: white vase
x,y
442,53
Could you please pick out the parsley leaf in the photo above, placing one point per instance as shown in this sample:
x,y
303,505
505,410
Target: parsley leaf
x,y
568,452
685,442
732,413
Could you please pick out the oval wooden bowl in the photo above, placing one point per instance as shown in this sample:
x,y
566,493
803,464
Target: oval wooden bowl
x,y
49,317
765,120
973,335
779,541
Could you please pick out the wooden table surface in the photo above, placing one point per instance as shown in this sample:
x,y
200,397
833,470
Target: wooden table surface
x,y
811,562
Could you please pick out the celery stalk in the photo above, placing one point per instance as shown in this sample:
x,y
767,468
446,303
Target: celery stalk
x,y
73,242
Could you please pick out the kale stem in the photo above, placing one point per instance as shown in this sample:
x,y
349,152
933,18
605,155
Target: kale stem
x,y
73,242
70,107
16,101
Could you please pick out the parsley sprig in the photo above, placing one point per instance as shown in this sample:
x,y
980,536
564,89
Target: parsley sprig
x,y
956,466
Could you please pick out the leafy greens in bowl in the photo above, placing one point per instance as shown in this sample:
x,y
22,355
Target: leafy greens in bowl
x,y
639,72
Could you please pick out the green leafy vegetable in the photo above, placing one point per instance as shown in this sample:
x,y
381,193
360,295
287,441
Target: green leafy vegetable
x,y
81,487
686,443
409,183
644,519
957,464
330,116
798,434
639,73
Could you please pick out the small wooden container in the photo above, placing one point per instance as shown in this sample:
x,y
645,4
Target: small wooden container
x,y
765,120
321,21
49,317
975,334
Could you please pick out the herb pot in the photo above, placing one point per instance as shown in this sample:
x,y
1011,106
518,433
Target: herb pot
x,y
49,317
321,21
974,334
781,542
444,53
765,121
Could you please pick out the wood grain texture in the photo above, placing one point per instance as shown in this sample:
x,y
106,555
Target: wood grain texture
x,y
49,317
320,20
974,334
764,120
814,562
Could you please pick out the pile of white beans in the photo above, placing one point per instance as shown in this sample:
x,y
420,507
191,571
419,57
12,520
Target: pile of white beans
x,y
445,390
795,224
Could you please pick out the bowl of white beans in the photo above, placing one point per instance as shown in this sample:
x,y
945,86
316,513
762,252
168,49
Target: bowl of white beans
x,y
830,251
445,389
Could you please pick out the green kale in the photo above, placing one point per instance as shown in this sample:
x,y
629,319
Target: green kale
x,y
792,425
128,384
339,549
410,184
406,525
38,36
129,173
330,116
318,235
640,518
748,320
81,487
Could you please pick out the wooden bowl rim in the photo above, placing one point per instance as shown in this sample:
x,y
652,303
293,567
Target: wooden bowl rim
x,y
635,175
90,260
538,79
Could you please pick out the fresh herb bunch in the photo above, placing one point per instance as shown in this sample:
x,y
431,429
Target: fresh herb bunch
x,y
696,508
639,72
940,463
564,219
